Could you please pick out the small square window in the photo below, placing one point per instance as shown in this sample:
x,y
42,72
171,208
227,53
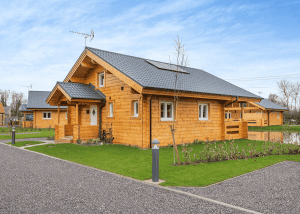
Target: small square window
x,y
203,112
227,115
46,115
242,104
167,113
101,79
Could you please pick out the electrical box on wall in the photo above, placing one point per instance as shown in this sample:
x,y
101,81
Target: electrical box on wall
x,y
87,111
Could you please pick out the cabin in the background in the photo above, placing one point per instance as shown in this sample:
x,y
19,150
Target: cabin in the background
x,y
2,115
44,115
263,113
132,98
27,120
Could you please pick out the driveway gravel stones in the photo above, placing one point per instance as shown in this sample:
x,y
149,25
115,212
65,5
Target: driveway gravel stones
x,y
35,183
274,189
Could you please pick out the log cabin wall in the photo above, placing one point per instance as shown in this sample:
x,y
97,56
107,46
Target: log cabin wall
x,y
276,118
40,122
126,129
188,126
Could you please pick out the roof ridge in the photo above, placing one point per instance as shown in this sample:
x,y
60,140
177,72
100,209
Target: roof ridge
x,y
144,58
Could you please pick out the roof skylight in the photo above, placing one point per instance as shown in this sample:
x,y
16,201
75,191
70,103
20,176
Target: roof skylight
x,y
166,66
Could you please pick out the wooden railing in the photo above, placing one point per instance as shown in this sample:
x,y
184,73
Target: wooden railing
x,y
236,130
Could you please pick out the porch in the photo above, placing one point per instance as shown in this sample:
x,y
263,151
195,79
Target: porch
x,y
84,111
236,129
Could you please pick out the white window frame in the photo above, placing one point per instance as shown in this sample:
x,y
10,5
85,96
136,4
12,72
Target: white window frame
x,y
111,109
100,75
200,111
278,115
66,115
164,118
135,108
228,115
47,118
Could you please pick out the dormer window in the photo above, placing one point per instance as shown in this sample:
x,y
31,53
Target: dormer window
x,y
101,79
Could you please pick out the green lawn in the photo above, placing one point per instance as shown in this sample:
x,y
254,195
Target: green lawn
x,y
25,143
284,128
137,163
42,133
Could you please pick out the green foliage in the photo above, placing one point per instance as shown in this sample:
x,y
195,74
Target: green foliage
x,y
42,133
283,128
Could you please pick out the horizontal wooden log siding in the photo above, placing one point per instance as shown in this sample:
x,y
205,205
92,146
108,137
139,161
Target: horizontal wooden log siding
x,y
68,130
187,124
59,131
88,132
27,124
39,122
274,120
236,130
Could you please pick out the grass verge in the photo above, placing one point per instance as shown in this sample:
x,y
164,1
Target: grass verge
x,y
283,128
137,163
42,133
25,143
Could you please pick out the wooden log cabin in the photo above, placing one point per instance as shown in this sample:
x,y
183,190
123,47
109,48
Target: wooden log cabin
x,y
263,113
2,115
44,115
133,98
27,121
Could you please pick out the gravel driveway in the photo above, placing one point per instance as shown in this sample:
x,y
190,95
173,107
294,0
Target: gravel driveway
x,y
34,183
274,189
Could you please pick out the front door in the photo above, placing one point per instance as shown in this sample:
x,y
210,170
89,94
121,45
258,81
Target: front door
x,y
93,114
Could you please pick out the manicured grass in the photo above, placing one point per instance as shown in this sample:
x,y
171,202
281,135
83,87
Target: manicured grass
x,y
42,133
284,128
137,163
25,143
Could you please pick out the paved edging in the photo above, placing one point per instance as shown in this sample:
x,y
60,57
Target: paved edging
x,y
155,185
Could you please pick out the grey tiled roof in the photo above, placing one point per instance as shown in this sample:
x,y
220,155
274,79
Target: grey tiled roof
x,y
37,100
270,105
149,76
23,107
81,91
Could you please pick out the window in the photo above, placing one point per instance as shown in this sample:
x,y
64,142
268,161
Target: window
x,y
203,112
111,108
227,115
66,115
241,115
242,104
135,108
101,79
166,111
278,115
46,115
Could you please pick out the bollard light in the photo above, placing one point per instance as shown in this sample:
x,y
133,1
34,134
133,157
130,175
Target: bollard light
x,y
13,135
155,161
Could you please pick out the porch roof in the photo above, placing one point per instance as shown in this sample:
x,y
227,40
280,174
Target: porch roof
x,y
81,91
267,104
23,108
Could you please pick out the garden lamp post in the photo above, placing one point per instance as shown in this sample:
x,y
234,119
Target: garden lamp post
x,y
13,135
155,161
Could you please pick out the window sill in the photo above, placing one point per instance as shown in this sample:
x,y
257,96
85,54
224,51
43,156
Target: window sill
x,y
46,118
168,120
110,116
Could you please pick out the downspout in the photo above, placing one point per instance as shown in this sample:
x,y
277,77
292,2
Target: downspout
x,y
150,123
100,117
237,97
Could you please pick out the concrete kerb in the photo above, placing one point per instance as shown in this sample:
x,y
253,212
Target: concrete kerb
x,y
155,184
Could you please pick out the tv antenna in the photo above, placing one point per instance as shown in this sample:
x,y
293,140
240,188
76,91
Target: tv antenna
x,y
260,92
86,35
29,87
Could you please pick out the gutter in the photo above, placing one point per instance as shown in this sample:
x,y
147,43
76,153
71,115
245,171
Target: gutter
x,y
237,97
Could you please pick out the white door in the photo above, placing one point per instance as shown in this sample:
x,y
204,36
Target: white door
x,y
93,114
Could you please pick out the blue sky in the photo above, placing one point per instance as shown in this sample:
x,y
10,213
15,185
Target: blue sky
x,y
230,39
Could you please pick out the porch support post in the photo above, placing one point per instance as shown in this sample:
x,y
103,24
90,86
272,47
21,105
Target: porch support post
x,y
242,111
77,116
58,114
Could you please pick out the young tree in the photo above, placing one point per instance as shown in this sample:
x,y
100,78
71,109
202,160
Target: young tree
x,y
4,97
16,100
295,93
285,88
180,59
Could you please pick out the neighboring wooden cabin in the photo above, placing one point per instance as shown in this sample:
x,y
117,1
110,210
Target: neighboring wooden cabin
x,y
2,115
27,120
263,113
44,115
133,98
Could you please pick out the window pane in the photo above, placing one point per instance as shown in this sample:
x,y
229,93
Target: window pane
x,y
136,107
169,111
200,111
111,109
162,107
45,115
225,115
49,115
204,110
